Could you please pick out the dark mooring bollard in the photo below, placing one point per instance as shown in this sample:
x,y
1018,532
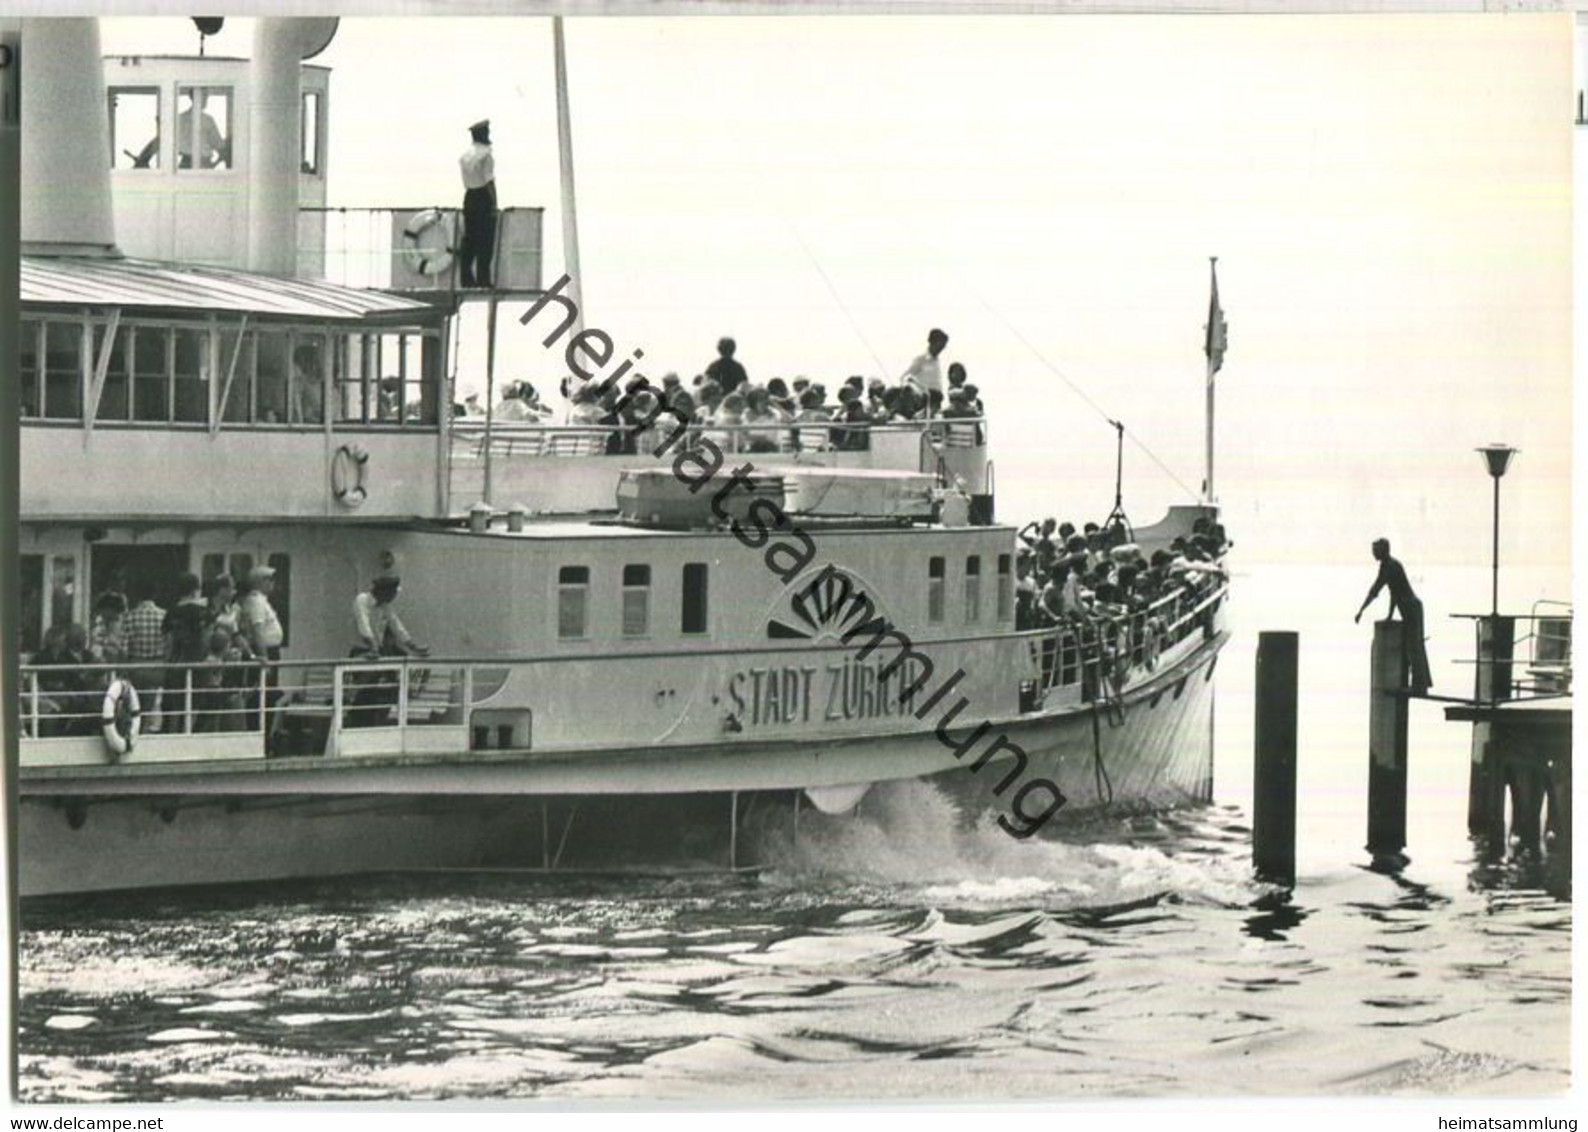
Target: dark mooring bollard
x,y
1274,769
1387,723
1486,785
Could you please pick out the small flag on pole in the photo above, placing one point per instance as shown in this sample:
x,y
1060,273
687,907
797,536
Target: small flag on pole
x,y
1218,331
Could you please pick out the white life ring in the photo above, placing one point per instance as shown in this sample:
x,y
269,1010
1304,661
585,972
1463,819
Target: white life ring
x,y
119,717
427,242
349,468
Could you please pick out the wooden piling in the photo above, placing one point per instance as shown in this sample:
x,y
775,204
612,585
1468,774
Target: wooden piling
x,y
1486,781
1274,767
1387,729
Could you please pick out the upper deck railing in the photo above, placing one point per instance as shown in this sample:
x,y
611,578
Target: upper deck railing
x,y
572,468
414,248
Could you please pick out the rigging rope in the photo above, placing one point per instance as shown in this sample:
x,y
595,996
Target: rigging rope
x,y
837,298
1074,387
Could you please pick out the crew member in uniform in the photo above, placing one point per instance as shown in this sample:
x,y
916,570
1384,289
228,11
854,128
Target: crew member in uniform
x,y
479,208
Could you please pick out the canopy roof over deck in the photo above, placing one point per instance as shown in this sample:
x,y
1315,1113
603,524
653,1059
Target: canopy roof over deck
x,y
172,288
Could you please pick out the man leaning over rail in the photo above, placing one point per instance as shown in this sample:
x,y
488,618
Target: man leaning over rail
x,y
1392,574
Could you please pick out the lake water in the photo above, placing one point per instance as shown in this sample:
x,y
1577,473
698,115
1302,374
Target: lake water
x,y
894,955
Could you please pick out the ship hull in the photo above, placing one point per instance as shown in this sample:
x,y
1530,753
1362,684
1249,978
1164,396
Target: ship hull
x,y
610,810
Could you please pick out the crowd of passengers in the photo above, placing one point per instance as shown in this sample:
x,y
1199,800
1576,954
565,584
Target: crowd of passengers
x,y
211,624
738,414
1102,586
204,664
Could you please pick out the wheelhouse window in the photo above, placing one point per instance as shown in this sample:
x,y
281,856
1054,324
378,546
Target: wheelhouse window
x,y
973,589
310,133
204,127
573,600
695,615
636,601
134,127
936,568
1006,588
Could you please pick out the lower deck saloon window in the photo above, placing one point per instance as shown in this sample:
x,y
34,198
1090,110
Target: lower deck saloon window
x,y
935,570
636,601
573,601
695,616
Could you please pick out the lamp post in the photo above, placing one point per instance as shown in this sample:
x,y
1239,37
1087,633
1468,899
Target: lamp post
x,y
1496,458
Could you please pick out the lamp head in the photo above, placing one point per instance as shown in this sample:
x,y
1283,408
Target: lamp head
x,y
1497,458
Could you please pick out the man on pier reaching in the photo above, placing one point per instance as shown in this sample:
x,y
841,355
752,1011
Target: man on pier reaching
x,y
1392,574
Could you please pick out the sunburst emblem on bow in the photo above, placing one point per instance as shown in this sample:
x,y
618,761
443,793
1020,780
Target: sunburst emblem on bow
x,y
831,604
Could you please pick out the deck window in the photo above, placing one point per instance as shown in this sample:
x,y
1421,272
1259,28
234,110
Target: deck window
x,y
310,158
30,571
281,596
237,565
63,370
573,600
30,372
151,373
272,365
115,401
204,127
935,570
190,386
973,589
636,601
306,379
134,127
235,369
1006,589
352,372
63,589
696,609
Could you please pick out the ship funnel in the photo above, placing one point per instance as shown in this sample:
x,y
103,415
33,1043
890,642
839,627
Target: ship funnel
x,y
274,148
65,140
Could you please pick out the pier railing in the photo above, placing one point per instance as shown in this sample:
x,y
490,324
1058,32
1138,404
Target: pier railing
x,y
1538,642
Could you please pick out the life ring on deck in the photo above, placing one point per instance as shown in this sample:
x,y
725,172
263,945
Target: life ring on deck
x,y
427,242
349,469
120,717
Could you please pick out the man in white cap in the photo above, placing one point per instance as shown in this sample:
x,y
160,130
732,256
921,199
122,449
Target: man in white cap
x,y
261,629
479,208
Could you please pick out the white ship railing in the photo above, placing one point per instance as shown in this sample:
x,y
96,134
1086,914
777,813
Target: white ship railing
x,y
535,463
249,710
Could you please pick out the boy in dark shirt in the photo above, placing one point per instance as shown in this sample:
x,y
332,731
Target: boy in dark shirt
x,y
1392,574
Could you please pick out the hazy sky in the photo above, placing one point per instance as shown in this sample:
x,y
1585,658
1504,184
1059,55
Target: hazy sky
x,y
1389,198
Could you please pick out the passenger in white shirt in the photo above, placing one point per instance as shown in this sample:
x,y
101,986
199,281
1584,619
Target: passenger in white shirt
x,y
926,372
479,208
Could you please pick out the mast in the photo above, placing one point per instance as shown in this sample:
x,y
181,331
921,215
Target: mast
x,y
570,216
1213,346
1207,481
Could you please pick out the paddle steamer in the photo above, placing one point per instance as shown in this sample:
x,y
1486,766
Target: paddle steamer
x,y
613,663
